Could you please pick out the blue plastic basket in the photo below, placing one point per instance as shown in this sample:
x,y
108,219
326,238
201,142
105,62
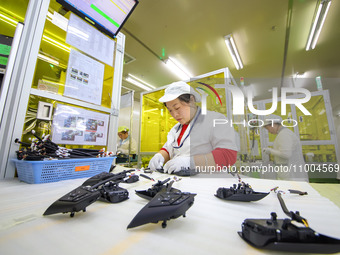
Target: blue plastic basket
x,y
58,170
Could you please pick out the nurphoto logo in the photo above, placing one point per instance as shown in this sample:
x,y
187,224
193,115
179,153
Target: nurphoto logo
x,y
238,99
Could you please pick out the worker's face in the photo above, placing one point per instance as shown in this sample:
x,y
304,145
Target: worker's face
x,y
123,135
181,111
272,129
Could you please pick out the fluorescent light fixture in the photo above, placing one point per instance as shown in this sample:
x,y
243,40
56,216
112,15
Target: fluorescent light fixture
x,y
45,38
56,43
319,19
141,81
48,59
8,20
138,82
177,68
229,41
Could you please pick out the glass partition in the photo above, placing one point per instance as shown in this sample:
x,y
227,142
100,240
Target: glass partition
x,y
51,74
319,153
315,126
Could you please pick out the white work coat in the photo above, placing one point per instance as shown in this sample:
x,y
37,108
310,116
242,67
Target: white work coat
x,y
201,137
287,151
123,146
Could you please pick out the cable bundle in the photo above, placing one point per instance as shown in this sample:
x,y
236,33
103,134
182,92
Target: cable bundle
x,y
43,148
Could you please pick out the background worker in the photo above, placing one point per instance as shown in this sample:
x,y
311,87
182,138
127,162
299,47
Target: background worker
x,y
287,150
194,141
124,142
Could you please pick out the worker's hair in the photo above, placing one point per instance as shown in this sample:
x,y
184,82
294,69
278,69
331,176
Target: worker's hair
x,y
184,98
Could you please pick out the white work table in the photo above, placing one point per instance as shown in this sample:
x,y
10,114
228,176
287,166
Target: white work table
x,y
210,227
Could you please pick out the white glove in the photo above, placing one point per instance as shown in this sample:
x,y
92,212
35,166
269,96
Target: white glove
x,y
176,164
267,150
156,162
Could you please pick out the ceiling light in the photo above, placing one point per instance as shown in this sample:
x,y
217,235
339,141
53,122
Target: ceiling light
x,y
229,41
138,82
177,68
143,82
319,19
300,74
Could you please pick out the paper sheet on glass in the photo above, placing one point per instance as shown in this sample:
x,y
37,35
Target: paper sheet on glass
x,y
73,125
89,40
84,78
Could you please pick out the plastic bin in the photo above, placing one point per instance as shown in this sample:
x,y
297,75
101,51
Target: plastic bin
x,y
58,170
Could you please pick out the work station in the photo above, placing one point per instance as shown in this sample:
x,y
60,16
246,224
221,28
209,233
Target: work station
x,y
140,126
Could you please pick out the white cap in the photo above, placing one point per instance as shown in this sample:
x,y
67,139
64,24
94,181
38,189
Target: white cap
x,y
272,119
176,89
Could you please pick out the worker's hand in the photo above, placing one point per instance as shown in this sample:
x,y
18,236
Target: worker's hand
x,y
156,162
267,150
176,164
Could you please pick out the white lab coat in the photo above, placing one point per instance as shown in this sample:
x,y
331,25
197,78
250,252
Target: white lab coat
x,y
287,151
123,146
201,137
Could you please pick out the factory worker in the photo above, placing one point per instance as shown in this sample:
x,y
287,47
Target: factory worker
x,y
196,141
287,150
124,142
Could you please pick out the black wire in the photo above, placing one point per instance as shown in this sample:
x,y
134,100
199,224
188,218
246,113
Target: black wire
x,y
283,205
294,216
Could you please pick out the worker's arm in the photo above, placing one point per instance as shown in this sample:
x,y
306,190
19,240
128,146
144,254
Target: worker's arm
x,y
165,154
219,157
